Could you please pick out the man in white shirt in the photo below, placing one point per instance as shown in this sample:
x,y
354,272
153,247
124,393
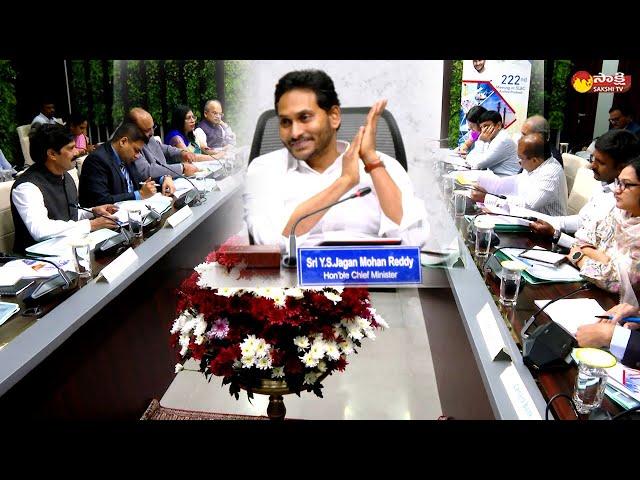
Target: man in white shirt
x,y
47,111
613,151
44,198
316,170
494,148
541,186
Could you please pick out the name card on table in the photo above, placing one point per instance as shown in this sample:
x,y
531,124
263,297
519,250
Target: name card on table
x,y
360,265
491,335
520,398
178,217
119,265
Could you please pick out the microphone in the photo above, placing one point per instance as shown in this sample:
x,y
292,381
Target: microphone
x,y
549,345
49,288
112,244
291,260
192,198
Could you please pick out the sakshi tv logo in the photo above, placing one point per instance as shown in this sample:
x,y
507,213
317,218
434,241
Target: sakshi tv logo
x,y
584,82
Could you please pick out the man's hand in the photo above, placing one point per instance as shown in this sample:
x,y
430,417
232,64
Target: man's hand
x,y
188,156
350,160
478,194
368,146
167,186
189,169
488,132
101,222
148,189
107,209
595,335
620,312
542,228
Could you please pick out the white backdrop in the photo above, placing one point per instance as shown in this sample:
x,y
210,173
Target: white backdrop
x,y
413,90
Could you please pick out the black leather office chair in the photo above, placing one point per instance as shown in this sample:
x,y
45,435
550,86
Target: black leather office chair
x,y
388,140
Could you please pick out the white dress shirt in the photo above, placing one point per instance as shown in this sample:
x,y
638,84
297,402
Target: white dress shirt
x,y
29,202
499,155
277,183
543,190
619,341
42,118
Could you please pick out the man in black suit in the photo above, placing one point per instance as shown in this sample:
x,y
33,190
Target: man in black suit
x,y
107,173
623,341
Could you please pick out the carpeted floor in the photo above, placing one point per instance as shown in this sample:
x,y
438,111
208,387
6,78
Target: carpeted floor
x,y
157,412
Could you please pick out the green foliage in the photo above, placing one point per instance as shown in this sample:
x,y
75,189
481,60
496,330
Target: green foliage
x,y
234,81
8,134
536,89
455,93
560,82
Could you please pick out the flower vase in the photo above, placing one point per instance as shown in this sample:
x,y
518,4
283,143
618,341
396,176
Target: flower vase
x,y
275,389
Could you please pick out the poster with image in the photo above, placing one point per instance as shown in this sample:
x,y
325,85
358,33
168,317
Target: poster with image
x,y
500,85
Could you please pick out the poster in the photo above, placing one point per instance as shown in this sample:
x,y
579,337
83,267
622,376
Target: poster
x,y
500,85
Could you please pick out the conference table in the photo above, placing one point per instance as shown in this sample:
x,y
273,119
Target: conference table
x,y
102,351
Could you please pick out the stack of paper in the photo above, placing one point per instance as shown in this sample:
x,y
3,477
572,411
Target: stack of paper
x,y
539,272
158,202
572,313
61,246
624,380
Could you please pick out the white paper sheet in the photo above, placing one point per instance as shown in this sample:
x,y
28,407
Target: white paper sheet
x,y
572,313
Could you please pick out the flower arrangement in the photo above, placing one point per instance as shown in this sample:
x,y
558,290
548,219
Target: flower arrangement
x,y
245,335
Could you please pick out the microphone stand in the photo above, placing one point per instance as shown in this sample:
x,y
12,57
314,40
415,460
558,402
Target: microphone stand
x,y
291,260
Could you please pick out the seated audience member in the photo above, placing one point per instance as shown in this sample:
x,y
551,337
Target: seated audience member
x,y
610,255
494,149
621,116
108,175
180,135
156,157
472,117
47,111
316,169
622,341
4,163
43,198
613,151
541,186
78,125
539,124
212,133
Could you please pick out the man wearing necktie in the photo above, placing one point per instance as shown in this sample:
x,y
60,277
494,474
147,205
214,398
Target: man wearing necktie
x,y
108,172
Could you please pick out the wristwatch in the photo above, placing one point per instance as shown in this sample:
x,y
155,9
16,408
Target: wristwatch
x,y
576,257
373,165
556,236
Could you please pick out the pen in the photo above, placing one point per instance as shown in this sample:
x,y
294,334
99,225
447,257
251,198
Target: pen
x,y
628,319
157,185
488,193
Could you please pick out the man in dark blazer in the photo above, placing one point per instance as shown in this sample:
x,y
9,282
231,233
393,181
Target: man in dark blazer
x,y
622,341
108,175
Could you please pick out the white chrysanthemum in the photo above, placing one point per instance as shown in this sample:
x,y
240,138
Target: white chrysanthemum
x,y
277,372
188,326
179,322
346,347
317,349
199,340
334,297
308,360
332,351
262,348
310,378
280,300
362,322
338,289
301,342
247,361
249,345
268,292
227,291
322,366
179,367
264,363
201,325
369,333
294,292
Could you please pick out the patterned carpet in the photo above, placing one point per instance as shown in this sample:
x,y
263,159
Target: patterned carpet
x,y
157,412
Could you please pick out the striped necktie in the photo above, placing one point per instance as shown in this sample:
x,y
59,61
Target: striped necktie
x,y
125,172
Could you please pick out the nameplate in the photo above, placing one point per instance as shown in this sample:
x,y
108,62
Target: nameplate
x,y
178,217
361,265
491,335
520,398
119,265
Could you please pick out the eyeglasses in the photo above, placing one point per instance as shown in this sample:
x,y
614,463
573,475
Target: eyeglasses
x,y
623,185
216,114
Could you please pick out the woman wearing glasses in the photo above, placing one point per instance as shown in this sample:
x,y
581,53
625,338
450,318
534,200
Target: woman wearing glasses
x,y
183,123
610,256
